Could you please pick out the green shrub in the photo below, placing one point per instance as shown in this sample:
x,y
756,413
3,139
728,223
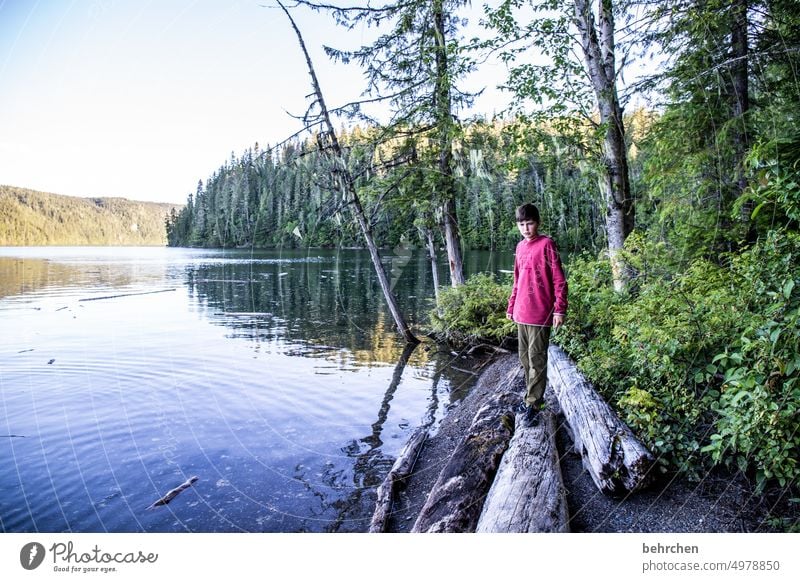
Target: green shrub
x,y
774,191
474,312
760,392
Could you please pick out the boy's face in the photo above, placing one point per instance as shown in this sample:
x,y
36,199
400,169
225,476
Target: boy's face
x,y
528,228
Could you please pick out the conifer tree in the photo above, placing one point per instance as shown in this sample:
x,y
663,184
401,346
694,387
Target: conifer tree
x,y
729,83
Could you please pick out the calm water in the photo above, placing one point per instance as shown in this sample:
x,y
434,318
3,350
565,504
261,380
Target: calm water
x,y
274,377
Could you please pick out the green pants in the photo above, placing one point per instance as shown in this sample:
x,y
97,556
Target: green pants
x,y
533,343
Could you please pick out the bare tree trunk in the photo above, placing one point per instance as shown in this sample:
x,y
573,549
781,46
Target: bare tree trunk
x,y
741,104
453,243
346,179
444,122
598,47
432,256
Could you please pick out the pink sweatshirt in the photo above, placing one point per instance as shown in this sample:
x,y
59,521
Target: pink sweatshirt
x,y
540,288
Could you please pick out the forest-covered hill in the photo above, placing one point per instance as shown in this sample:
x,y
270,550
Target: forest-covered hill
x,y
31,218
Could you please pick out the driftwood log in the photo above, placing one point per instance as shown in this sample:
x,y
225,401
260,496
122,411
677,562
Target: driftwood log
x,y
400,470
616,460
528,492
455,502
172,493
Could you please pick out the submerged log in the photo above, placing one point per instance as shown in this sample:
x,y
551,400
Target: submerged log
x,y
126,295
528,492
400,470
172,493
454,504
616,460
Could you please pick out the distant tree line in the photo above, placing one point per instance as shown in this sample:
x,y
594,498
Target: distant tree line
x,y
281,198
31,218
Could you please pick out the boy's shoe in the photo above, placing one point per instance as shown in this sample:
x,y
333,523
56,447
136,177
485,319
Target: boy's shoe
x,y
538,405
530,413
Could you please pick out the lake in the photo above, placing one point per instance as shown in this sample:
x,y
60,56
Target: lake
x,y
275,377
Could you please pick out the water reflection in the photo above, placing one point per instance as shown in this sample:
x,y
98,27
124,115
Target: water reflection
x,y
27,276
29,273
318,304
370,464
329,307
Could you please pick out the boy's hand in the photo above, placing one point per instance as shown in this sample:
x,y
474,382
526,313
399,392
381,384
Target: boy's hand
x,y
558,320
509,316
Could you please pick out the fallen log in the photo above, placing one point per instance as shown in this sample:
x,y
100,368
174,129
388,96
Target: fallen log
x,y
616,460
455,501
397,475
528,493
126,295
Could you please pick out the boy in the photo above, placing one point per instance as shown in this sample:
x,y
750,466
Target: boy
x,y
538,302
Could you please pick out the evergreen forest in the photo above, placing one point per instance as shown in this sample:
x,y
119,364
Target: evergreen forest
x,y
31,218
659,140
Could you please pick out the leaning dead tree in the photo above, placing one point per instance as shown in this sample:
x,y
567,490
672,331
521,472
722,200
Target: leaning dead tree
x,y
616,460
329,145
528,495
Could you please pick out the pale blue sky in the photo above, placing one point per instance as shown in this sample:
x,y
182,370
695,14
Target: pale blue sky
x,y
141,99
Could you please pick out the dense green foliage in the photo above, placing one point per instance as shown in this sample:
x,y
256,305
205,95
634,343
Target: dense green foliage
x,y
30,218
702,355
704,360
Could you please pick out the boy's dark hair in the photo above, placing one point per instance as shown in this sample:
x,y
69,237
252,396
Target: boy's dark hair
x,y
527,212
